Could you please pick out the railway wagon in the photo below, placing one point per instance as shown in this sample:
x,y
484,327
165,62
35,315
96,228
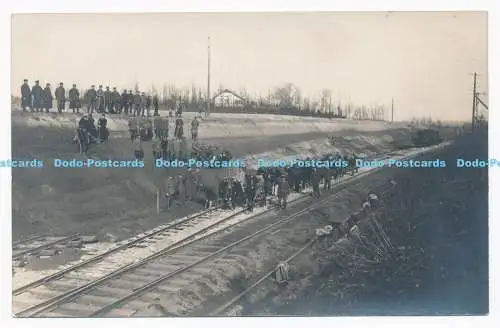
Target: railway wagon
x,y
427,137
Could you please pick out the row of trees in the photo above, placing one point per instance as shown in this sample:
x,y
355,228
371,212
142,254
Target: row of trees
x,y
285,99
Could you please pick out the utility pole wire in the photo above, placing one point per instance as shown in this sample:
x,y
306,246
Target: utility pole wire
x,y
209,98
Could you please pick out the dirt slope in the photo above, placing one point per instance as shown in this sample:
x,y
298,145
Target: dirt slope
x,y
87,199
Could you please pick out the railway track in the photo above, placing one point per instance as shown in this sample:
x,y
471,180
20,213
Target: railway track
x,y
180,264
150,237
232,303
63,288
66,293
38,244
162,237
139,241
25,241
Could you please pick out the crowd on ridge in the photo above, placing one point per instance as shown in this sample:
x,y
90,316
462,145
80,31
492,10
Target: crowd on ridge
x,y
98,100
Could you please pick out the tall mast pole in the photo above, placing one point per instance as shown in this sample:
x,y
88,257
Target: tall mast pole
x,y
209,98
392,110
474,102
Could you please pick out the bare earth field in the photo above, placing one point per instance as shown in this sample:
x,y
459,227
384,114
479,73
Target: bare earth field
x,y
122,201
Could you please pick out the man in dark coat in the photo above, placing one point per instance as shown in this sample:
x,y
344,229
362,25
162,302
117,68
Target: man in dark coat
x,y
194,129
124,102
26,96
283,191
60,97
100,99
180,107
92,100
148,105
37,93
144,99
158,127
238,196
225,192
92,128
130,102
115,101
82,135
164,147
103,127
47,98
250,191
156,105
137,104
74,99
179,128
107,100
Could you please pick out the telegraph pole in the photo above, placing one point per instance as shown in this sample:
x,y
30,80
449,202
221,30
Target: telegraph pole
x,y
208,80
392,110
474,102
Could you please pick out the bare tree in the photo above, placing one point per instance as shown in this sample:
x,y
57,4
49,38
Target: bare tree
x,y
285,96
325,99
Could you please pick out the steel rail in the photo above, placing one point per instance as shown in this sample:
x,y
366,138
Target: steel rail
x,y
160,280
19,242
42,247
227,305
99,257
68,296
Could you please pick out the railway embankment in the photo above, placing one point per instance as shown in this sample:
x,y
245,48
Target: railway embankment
x,y
423,251
122,202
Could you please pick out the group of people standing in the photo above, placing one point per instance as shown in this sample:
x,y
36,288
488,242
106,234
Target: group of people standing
x,y
38,99
87,132
158,130
128,103
103,101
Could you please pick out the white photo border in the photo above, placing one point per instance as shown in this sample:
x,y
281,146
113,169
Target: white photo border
x,y
61,6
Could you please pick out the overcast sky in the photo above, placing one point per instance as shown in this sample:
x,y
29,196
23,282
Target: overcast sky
x,y
423,60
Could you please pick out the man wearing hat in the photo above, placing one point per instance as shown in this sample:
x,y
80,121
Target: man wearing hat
x,y
60,97
180,189
144,100
171,149
37,93
107,100
82,134
250,190
283,191
92,99
164,148
315,179
25,96
100,99
137,103
138,150
130,102
47,98
74,99
148,105
170,191
102,123
115,101
155,105
124,102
